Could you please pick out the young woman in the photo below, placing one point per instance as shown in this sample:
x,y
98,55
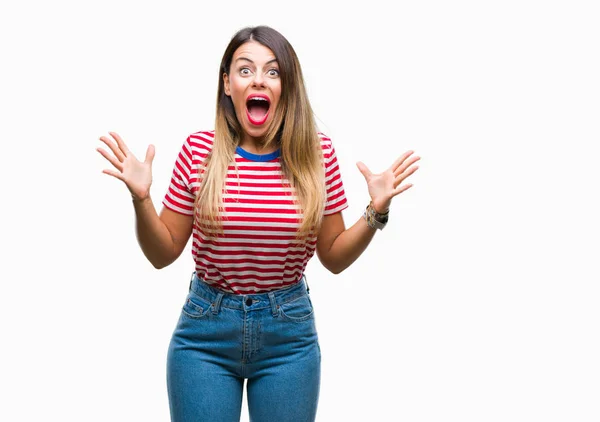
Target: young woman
x,y
259,194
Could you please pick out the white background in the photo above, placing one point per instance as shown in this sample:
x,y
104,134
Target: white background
x,y
478,302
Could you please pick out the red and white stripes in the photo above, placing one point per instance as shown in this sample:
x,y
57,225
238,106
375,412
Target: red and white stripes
x,y
259,252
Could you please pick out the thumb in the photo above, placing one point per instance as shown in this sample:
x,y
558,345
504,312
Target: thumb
x,y
364,169
149,154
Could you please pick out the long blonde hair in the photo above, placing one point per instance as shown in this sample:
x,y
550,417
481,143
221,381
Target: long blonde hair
x,y
293,129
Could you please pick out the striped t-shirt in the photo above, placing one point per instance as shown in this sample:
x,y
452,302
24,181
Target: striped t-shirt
x,y
258,252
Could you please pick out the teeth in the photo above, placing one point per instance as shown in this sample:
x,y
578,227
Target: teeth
x,y
258,98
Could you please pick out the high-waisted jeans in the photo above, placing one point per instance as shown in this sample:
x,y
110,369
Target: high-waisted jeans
x,y
270,339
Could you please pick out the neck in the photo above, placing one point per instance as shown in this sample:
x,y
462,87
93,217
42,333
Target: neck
x,y
257,145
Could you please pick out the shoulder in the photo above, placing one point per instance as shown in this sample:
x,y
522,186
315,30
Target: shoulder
x,y
200,142
325,142
197,147
326,146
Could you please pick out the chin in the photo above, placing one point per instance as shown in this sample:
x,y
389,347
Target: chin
x,y
257,132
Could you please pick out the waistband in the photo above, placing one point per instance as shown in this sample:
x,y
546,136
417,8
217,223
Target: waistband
x,y
251,301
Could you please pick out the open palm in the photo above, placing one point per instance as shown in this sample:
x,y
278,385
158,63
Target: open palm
x,y
384,186
136,175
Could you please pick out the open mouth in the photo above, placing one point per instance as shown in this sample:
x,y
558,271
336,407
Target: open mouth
x,y
257,108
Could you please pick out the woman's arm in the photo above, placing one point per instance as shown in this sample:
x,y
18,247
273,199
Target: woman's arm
x,y
161,238
338,248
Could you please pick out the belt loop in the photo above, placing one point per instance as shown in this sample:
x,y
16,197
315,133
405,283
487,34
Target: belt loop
x,y
306,281
191,279
273,303
217,303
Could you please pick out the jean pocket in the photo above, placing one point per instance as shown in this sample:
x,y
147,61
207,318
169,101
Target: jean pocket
x,y
194,307
299,309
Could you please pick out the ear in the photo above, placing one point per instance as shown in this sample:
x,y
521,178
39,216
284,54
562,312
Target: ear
x,y
226,84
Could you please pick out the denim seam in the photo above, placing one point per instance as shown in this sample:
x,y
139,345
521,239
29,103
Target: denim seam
x,y
217,302
202,310
194,316
298,319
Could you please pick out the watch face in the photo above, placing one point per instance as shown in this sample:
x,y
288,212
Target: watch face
x,y
382,219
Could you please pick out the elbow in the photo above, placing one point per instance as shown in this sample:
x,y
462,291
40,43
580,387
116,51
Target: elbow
x,y
332,265
332,262
333,269
160,263
160,259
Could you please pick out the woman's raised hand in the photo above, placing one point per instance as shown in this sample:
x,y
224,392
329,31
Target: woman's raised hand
x,y
384,186
136,175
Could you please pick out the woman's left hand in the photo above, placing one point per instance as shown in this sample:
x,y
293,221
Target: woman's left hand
x,y
384,186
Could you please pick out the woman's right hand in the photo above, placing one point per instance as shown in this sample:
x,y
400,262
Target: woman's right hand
x,y
136,175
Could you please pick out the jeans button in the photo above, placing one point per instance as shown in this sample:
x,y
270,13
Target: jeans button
x,y
248,302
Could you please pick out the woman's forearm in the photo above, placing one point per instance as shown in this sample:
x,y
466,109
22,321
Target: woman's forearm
x,y
349,245
152,234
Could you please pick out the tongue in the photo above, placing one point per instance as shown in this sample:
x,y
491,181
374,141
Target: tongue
x,y
258,110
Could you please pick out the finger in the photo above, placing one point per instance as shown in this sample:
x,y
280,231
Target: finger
x,y
400,159
401,189
406,165
114,174
408,172
113,147
149,154
400,178
118,165
364,169
121,144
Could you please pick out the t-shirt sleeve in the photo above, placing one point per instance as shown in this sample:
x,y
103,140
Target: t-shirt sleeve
x,y
179,196
336,197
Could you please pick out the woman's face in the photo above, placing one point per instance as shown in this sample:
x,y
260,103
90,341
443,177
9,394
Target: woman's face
x,y
254,86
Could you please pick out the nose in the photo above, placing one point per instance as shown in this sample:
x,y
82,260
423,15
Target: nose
x,y
259,80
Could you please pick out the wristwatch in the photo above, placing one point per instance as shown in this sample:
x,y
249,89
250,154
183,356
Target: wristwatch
x,y
374,219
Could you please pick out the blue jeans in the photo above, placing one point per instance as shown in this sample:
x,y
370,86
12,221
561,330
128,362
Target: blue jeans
x,y
270,339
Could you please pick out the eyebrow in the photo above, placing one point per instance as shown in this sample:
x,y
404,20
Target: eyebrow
x,y
248,60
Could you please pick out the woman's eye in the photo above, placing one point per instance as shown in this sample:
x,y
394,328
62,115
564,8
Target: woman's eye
x,y
244,71
273,72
